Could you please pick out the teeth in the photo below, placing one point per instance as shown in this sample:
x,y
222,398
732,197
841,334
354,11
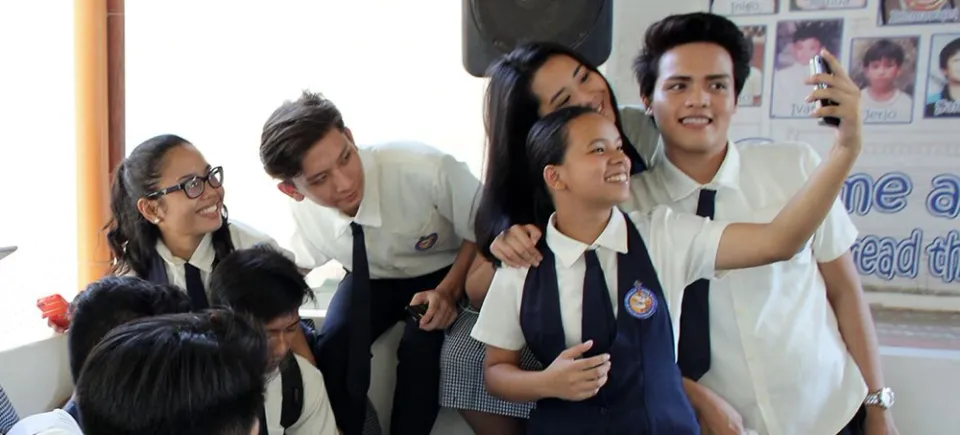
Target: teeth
x,y
599,108
695,120
208,210
619,178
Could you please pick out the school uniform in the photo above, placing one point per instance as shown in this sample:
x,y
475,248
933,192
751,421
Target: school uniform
x,y
462,383
621,292
316,416
772,347
193,274
56,422
417,208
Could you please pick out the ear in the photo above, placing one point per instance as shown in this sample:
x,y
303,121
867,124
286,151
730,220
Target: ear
x,y
150,210
290,190
551,176
349,134
646,105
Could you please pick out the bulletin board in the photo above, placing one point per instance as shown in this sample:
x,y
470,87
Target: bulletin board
x,y
904,193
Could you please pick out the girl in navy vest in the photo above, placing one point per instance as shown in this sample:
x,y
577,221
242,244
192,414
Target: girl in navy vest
x,y
169,223
597,309
531,80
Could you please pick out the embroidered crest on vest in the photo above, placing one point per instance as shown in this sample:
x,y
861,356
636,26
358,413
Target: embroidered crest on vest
x,y
640,302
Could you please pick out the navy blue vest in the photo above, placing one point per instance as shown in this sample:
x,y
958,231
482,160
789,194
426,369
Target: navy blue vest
x,y
644,393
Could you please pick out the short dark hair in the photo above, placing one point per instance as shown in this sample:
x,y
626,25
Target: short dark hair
x,y
259,281
677,30
547,145
188,374
808,30
883,49
110,302
293,129
948,51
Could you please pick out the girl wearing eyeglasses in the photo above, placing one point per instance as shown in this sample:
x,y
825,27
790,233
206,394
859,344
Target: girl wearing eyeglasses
x,y
169,223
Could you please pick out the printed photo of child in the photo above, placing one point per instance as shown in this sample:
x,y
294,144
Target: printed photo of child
x,y
943,81
899,12
797,43
816,5
751,95
744,7
886,69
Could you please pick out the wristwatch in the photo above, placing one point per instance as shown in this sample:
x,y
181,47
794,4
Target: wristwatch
x,y
884,398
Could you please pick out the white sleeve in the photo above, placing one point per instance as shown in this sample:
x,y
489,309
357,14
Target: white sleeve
x,y
837,233
317,416
684,243
457,195
499,321
307,254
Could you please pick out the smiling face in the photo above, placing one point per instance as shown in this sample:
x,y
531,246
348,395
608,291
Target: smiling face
x,y
693,99
176,213
594,170
562,81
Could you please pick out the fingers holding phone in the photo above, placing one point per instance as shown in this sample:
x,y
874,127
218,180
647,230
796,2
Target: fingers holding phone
x,y
837,97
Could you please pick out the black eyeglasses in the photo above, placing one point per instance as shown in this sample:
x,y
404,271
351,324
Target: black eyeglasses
x,y
194,186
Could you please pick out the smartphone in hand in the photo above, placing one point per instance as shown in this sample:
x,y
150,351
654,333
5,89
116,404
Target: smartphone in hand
x,y
416,312
819,65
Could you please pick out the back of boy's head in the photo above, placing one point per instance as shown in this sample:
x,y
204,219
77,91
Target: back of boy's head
x,y
883,49
260,282
697,27
185,374
111,302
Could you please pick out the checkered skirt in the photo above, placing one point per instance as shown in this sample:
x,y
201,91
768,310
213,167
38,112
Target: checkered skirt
x,y
461,372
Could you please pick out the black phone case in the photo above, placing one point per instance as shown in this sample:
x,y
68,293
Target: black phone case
x,y
416,311
819,66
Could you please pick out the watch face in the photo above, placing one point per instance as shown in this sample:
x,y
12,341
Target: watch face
x,y
886,398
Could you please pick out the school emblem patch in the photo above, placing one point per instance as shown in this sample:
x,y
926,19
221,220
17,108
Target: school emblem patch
x,y
427,242
640,302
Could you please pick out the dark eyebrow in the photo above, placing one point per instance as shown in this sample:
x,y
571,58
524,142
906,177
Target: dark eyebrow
x,y
187,177
343,152
576,72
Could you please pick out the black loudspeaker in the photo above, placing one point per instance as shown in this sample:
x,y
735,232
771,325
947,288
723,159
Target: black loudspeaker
x,y
491,28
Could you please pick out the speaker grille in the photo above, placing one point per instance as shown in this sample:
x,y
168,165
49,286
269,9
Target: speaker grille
x,y
508,22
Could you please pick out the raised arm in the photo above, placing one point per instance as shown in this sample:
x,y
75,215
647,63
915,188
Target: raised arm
x,y
749,245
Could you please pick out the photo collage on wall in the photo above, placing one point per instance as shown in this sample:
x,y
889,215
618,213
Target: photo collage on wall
x,y
893,69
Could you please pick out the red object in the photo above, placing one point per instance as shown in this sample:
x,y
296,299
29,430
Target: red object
x,y
54,308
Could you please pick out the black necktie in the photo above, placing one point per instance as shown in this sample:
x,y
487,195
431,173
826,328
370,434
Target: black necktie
x,y
597,322
198,295
694,348
359,347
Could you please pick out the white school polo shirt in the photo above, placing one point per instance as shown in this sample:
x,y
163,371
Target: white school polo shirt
x,y
56,422
682,248
316,418
243,237
776,351
418,206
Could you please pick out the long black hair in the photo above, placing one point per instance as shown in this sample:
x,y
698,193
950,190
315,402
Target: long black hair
x,y
132,238
510,109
